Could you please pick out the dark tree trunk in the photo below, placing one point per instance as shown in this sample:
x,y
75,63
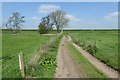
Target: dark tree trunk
x,y
10,30
58,29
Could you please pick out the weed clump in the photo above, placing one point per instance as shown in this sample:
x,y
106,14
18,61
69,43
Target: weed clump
x,y
92,49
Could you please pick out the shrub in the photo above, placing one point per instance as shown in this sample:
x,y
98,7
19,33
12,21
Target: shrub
x,y
42,29
91,49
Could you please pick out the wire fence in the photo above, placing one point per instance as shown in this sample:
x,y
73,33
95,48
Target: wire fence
x,y
11,67
109,48
106,53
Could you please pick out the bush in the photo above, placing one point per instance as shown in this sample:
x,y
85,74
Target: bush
x,y
76,41
91,49
42,29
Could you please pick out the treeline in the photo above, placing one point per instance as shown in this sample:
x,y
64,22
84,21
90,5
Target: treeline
x,y
57,18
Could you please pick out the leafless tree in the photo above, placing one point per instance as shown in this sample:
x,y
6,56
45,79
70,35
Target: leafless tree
x,y
14,22
59,19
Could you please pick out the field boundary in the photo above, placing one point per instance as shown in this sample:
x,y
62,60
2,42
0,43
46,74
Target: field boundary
x,y
103,48
31,59
97,63
54,34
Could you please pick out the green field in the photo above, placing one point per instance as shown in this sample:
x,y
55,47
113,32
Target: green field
x,y
12,44
101,44
27,42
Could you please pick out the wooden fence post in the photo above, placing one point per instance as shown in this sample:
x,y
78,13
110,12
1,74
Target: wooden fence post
x,y
21,64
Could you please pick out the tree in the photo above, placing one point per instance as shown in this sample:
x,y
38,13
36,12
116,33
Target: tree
x,y
45,25
59,19
14,22
41,29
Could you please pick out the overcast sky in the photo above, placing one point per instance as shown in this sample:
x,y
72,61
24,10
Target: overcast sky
x,y
83,15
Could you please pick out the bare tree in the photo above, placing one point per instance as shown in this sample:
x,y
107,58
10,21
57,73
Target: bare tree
x,y
59,19
45,25
14,22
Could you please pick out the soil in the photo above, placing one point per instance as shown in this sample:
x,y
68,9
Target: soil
x,y
67,68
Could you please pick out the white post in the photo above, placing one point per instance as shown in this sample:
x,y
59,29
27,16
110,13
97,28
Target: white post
x,y
21,64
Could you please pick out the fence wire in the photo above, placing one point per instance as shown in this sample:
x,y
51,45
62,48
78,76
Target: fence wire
x,y
10,65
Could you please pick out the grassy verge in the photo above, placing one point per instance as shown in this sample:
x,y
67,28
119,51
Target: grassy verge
x,y
46,66
101,44
85,67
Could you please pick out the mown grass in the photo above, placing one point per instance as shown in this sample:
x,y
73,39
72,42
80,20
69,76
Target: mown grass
x,y
87,70
27,41
105,43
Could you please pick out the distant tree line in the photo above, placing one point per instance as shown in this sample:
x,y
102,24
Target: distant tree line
x,y
57,18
